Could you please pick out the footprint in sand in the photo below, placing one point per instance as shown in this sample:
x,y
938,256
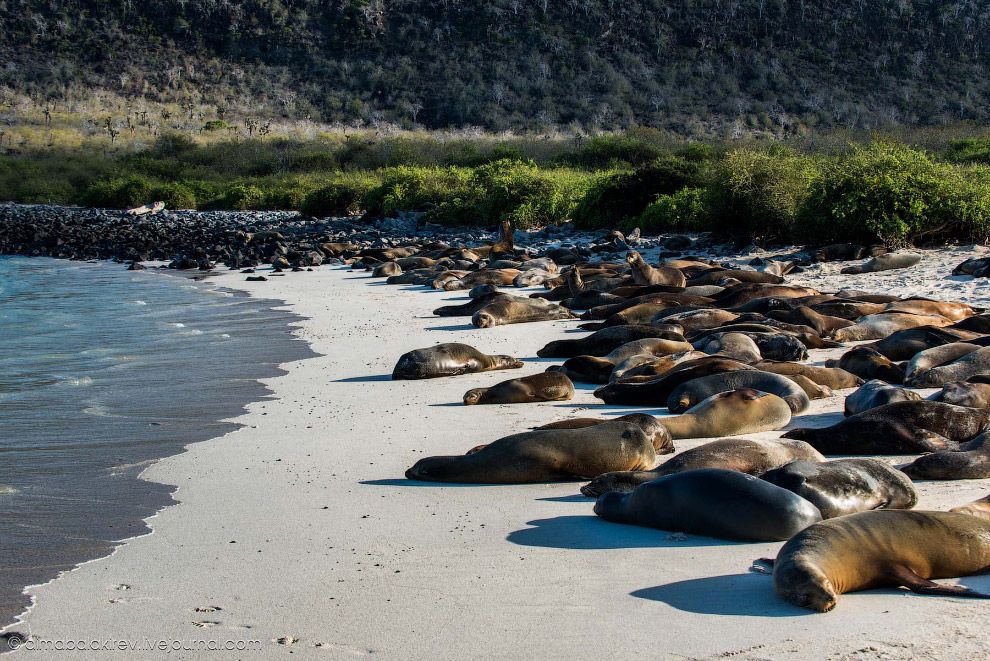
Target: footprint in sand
x,y
122,586
286,640
207,609
206,624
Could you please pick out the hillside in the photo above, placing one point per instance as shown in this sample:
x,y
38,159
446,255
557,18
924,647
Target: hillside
x,y
697,67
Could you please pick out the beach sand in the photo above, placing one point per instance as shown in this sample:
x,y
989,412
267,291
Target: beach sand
x,y
300,528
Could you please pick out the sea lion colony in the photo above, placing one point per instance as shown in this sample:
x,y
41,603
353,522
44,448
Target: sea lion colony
x,y
726,349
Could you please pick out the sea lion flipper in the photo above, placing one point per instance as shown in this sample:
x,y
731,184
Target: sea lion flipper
x,y
919,585
762,566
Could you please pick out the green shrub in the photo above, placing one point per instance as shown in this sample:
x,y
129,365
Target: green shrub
x,y
414,188
683,211
343,197
635,147
121,193
175,196
897,195
757,193
242,197
969,150
215,125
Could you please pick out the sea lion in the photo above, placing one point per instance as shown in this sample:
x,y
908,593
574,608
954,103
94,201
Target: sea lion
x,y
841,252
738,295
714,276
964,393
606,311
883,324
883,548
662,442
603,341
868,363
951,310
731,413
888,262
876,393
646,367
656,392
803,315
979,508
595,369
905,344
701,319
692,392
644,274
481,290
472,306
519,311
532,278
810,388
449,359
734,345
846,486
845,309
541,387
547,455
586,300
833,377
483,277
978,267
978,323
713,502
935,357
898,428
386,270
972,462
972,364
643,314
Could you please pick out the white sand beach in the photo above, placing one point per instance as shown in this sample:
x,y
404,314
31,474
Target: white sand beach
x,y
300,531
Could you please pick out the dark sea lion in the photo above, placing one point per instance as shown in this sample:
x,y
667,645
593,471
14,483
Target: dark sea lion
x,y
657,391
890,261
867,363
844,309
883,324
840,252
547,455
644,274
883,548
598,369
979,323
750,456
519,311
606,311
692,392
731,413
905,344
833,377
733,297
414,277
972,462
714,276
866,297
589,299
449,359
481,290
472,306
804,316
964,393
603,341
876,393
898,428
502,277
935,357
662,442
700,319
978,267
846,486
952,310
972,364
642,314
638,369
541,387
712,502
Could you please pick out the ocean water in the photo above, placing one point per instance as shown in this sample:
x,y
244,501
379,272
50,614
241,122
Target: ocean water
x,y
103,371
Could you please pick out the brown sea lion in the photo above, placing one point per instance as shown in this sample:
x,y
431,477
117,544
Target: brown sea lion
x,y
868,363
810,388
504,311
733,345
883,324
449,359
972,364
876,393
606,311
714,276
635,369
972,462
644,274
386,270
472,306
595,369
751,456
603,341
833,377
502,277
731,413
935,357
964,393
662,442
924,306
638,314
905,344
692,392
547,455
979,508
657,391
887,262
882,548
805,316
541,387
848,310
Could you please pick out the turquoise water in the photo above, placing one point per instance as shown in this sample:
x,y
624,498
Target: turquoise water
x,y
102,371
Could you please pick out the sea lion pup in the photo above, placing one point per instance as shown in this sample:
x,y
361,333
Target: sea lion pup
x,y
810,388
888,262
547,455
594,369
951,310
713,502
876,393
449,359
603,341
868,363
804,316
519,311
935,357
657,391
746,455
662,442
972,462
879,326
386,270
905,344
734,345
472,306
846,486
964,393
898,428
883,548
731,413
833,377
541,387
972,364
692,392
644,274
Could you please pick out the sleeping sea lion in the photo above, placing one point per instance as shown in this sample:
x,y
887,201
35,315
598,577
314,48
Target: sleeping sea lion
x,y
472,306
890,261
519,311
662,442
868,363
541,387
449,359
883,324
833,377
876,393
964,393
606,340
935,357
971,462
657,391
972,364
731,413
692,392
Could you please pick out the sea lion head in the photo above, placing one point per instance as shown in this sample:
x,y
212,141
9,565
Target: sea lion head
x,y
473,396
633,257
483,319
803,584
430,469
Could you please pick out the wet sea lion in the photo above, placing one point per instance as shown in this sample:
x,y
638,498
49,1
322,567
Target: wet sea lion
x,y
692,392
547,455
888,262
972,462
541,387
644,274
868,363
750,456
603,341
846,486
833,377
964,393
449,359
657,391
731,413
935,357
883,548
876,393
519,311
713,502
883,324
898,428
972,364
662,442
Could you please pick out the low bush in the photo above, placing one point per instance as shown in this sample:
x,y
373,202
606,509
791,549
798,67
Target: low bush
x,y
341,197
413,188
683,211
120,193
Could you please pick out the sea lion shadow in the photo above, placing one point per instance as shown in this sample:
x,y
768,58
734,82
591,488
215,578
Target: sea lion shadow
x,y
815,420
538,359
453,327
593,533
404,482
573,498
365,379
731,594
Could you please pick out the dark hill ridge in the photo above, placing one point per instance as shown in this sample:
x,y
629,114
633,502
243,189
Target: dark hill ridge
x,y
687,65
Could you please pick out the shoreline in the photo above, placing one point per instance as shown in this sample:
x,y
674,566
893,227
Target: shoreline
x,y
332,547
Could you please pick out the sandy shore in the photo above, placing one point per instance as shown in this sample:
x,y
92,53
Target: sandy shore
x,y
300,527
